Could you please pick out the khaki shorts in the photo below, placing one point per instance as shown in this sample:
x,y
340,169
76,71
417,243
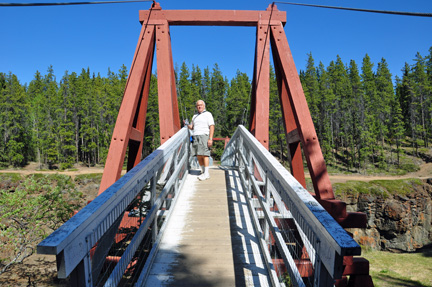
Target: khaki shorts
x,y
199,145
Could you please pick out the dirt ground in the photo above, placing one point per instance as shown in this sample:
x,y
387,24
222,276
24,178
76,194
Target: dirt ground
x,y
33,168
40,270
425,172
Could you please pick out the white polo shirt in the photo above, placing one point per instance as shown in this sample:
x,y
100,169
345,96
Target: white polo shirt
x,y
202,122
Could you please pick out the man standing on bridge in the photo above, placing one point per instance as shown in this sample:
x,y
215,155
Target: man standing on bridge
x,y
203,129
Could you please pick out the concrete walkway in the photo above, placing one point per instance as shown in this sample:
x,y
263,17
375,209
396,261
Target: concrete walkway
x,y
206,226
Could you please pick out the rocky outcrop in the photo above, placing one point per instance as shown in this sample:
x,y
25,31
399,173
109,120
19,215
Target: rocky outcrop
x,y
400,223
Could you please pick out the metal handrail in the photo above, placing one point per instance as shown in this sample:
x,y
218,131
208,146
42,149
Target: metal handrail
x,y
74,240
266,179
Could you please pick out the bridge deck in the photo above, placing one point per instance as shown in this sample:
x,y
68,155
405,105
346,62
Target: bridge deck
x,y
209,240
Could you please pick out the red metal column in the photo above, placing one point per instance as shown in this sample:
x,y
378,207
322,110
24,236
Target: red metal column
x,y
123,129
305,127
169,119
259,124
252,108
291,133
175,109
137,132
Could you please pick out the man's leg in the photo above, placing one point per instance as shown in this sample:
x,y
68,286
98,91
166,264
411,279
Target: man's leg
x,y
201,162
205,175
206,166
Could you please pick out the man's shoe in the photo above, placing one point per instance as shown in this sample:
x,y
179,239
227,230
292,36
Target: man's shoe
x,y
204,176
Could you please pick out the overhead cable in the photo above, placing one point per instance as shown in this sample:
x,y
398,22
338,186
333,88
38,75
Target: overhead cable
x,y
362,10
69,3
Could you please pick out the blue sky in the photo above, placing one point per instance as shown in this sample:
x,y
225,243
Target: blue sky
x,y
105,36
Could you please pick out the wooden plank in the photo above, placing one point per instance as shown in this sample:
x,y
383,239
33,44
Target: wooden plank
x,y
195,249
249,262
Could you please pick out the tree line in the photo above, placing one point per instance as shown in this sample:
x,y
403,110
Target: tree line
x,y
58,123
362,118
359,113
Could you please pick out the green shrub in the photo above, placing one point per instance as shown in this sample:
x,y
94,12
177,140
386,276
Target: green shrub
x,y
12,177
39,205
409,167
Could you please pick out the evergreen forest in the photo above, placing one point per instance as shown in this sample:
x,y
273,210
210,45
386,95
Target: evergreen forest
x,y
364,117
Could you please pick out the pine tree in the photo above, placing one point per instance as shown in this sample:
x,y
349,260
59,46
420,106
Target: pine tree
x,y
66,130
43,94
357,113
385,95
196,83
428,64
421,98
277,137
111,98
341,109
152,133
237,102
14,122
397,130
216,99
185,97
311,88
326,107
35,95
50,133
406,96
85,115
370,131
206,84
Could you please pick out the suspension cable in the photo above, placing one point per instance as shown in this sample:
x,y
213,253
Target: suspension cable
x,y
361,10
69,3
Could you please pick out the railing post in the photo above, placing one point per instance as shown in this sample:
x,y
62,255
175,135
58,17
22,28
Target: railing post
x,y
82,274
249,169
266,192
322,275
79,277
239,151
152,202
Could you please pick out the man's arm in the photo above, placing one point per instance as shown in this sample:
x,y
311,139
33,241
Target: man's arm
x,y
210,140
190,126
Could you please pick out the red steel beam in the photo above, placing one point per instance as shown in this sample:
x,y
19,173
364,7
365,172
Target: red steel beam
x,y
213,17
305,127
260,122
169,119
252,108
137,133
292,135
141,63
